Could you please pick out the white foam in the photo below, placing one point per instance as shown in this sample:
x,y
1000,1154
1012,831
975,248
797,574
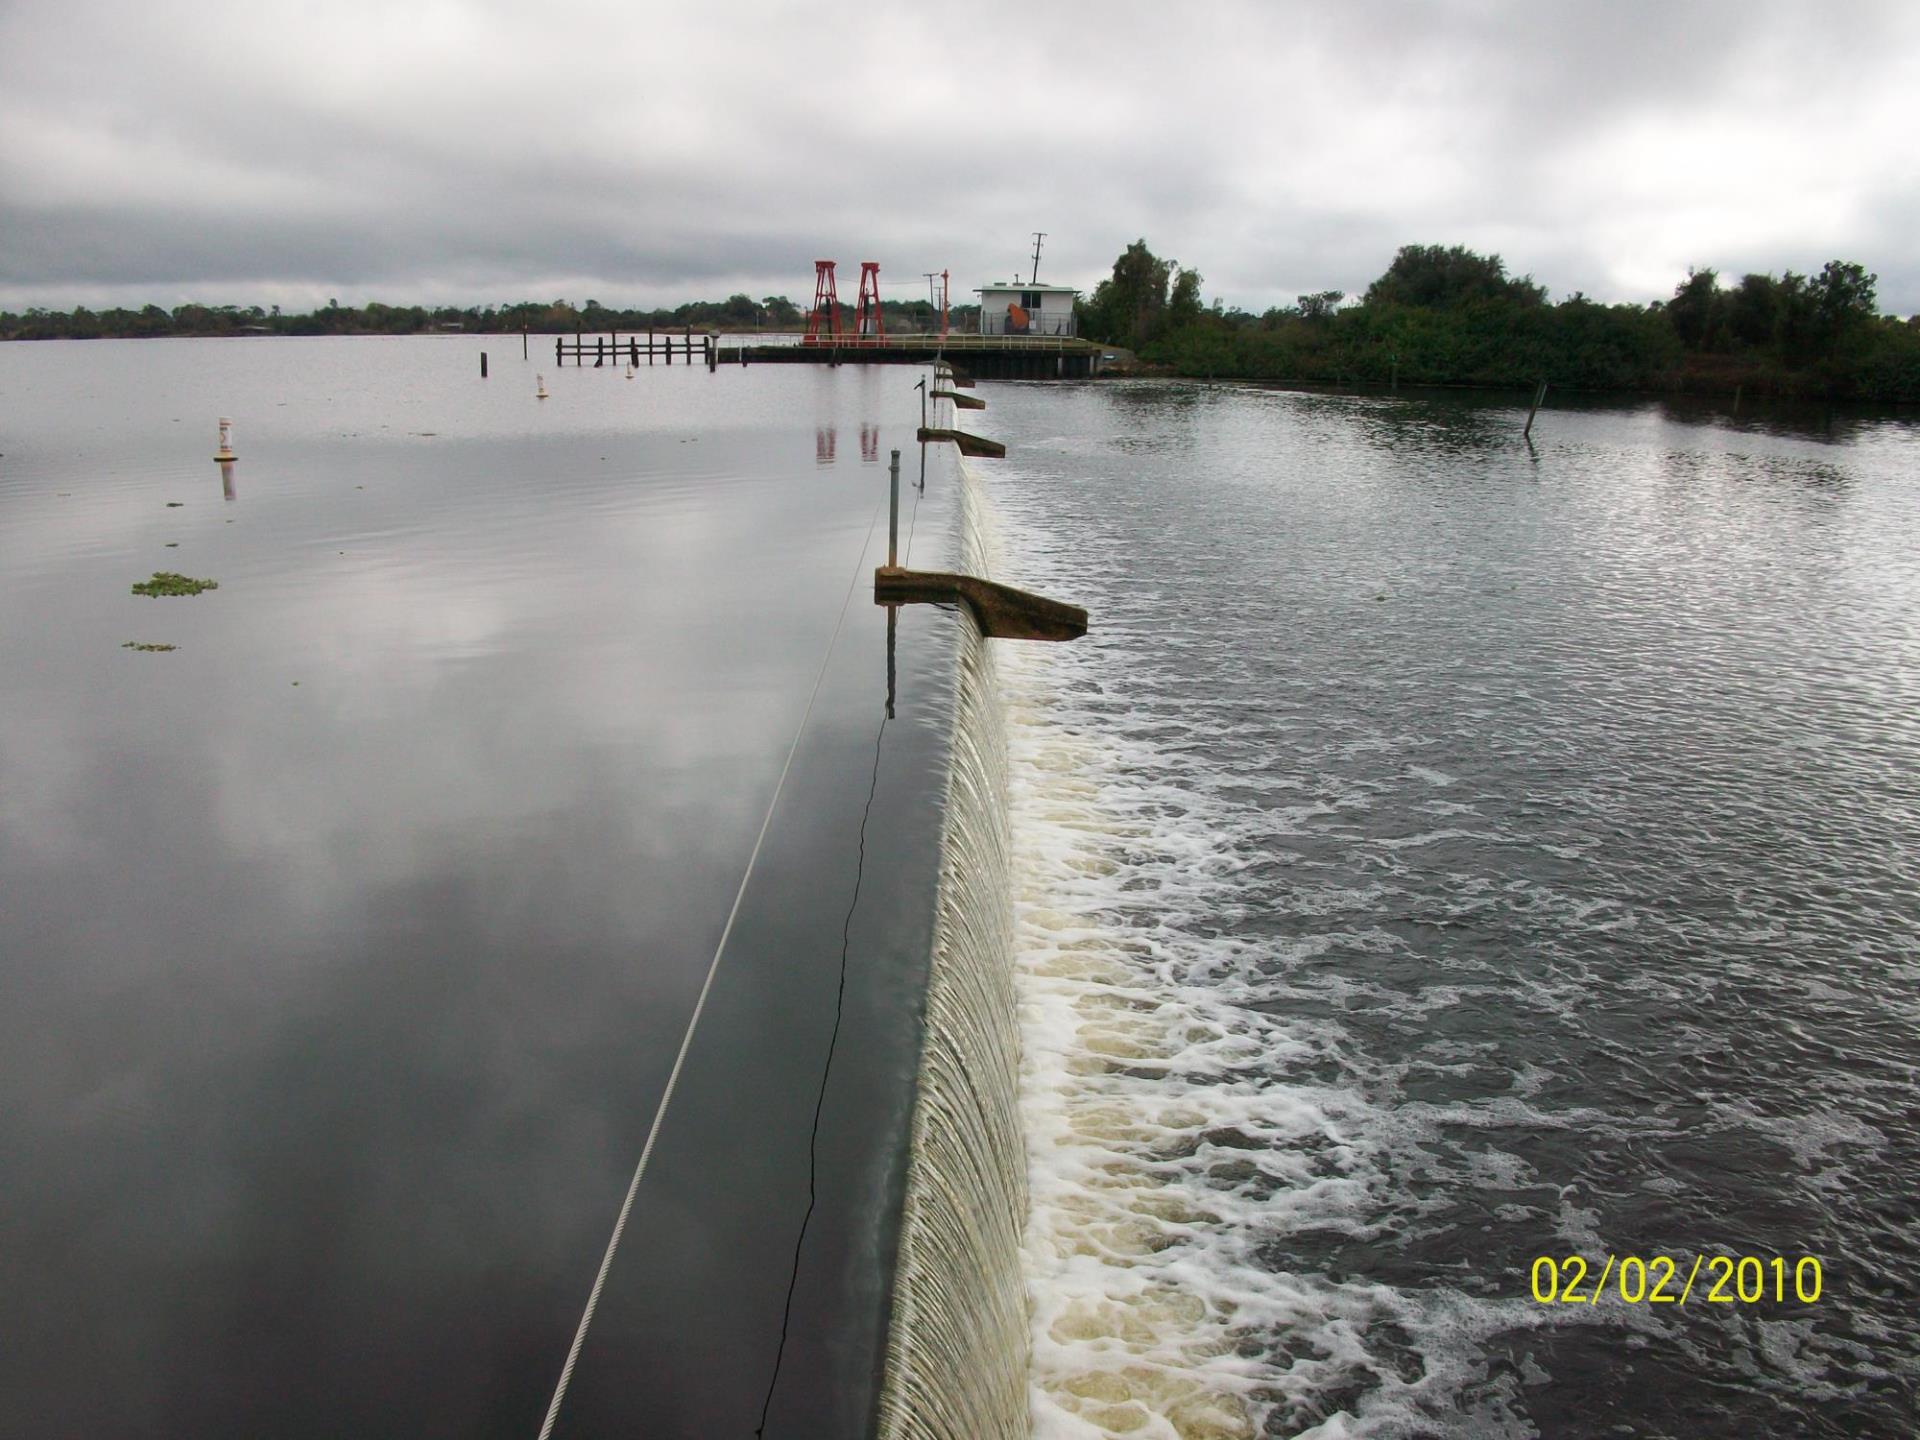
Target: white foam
x,y
1176,1126
1299,1013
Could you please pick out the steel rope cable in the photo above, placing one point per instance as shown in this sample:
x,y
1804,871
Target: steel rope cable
x,y
826,1073
699,1005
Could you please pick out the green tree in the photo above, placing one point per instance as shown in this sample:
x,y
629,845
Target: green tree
x,y
1843,299
1320,305
1695,308
1751,307
1437,277
1128,307
1183,305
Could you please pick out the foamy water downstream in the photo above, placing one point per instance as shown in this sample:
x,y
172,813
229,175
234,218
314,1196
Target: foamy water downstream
x,y
1437,858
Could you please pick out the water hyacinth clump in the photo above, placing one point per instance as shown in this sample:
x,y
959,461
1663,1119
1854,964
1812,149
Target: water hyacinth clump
x,y
166,582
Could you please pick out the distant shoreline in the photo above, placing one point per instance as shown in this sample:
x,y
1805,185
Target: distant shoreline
x,y
1706,378
1757,386
430,334
737,315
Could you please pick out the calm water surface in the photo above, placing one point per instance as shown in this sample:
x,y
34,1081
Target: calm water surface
x,y
1450,855
345,947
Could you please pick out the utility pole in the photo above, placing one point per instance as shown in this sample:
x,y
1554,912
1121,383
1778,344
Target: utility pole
x,y
1038,236
933,296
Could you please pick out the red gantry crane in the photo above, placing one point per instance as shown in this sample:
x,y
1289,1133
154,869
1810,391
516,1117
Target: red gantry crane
x,y
826,305
869,324
866,316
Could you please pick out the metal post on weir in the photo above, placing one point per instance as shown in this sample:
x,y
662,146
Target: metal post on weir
x,y
893,512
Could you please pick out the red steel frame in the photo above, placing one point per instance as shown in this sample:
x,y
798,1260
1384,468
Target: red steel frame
x,y
867,320
826,304
823,321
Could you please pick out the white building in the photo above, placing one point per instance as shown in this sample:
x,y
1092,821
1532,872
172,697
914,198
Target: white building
x,y
1016,308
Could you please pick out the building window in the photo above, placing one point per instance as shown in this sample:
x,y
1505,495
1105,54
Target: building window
x,y
1029,300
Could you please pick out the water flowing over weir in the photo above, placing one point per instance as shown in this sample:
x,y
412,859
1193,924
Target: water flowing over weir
x,y
1508,870
957,1343
1045,1292
1132,1079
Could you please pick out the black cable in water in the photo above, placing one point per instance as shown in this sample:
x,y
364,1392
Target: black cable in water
x,y
911,522
819,1105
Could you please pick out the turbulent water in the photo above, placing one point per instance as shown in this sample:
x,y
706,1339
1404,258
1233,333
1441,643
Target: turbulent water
x,y
1444,854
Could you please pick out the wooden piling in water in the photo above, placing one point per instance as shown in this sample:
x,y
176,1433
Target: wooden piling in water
x,y
483,364
1538,396
969,444
1002,612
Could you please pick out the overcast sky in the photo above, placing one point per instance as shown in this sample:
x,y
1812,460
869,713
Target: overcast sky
x,y
466,152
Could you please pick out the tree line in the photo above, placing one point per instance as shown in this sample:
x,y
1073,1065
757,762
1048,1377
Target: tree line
x,y
736,313
1445,315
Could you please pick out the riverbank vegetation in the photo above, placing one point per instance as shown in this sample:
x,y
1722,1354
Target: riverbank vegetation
x,y
1448,316
736,314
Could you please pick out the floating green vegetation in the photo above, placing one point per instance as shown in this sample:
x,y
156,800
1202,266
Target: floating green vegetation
x,y
148,649
165,582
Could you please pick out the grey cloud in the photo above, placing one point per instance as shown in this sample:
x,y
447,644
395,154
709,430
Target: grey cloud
x,y
475,152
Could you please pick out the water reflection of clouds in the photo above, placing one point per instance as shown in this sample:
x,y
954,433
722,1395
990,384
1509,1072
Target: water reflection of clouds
x,y
329,1003
338,1094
